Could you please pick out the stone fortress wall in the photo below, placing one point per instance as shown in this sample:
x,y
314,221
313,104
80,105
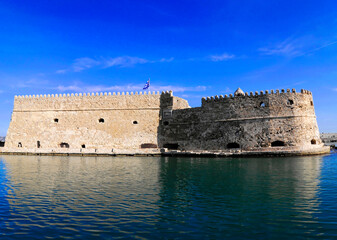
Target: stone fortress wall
x,y
251,121
110,123
88,121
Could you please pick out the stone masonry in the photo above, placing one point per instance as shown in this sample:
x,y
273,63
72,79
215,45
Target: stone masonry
x,y
274,121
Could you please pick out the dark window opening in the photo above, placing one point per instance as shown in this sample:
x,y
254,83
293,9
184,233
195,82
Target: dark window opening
x,y
135,122
233,145
38,144
290,102
101,120
64,145
20,145
166,123
2,144
313,142
262,104
277,144
148,145
83,146
56,120
311,103
171,146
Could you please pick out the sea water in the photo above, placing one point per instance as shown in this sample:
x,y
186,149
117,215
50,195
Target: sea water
x,y
168,198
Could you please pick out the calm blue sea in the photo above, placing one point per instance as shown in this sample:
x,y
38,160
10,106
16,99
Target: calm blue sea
x,y
168,198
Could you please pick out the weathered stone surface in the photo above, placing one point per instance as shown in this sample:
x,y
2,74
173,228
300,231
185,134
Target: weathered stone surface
x,y
125,123
245,122
94,122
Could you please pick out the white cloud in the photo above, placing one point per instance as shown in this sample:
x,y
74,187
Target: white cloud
x,y
125,61
81,64
294,47
288,48
127,88
166,59
61,71
222,57
84,63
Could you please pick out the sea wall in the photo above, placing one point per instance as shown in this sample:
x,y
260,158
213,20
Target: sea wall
x,y
92,121
263,119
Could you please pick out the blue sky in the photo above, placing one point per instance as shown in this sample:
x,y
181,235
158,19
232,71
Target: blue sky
x,y
195,48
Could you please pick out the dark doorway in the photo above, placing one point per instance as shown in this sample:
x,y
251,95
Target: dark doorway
x,y
38,144
278,144
233,145
313,141
171,146
148,145
83,146
64,145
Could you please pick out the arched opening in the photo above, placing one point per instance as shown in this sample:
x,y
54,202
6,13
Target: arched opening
x,y
290,102
135,122
233,145
56,120
313,141
311,103
20,145
83,146
171,146
166,123
64,145
277,144
262,104
101,120
148,145
38,144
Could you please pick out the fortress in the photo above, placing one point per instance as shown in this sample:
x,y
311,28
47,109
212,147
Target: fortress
x,y
275,122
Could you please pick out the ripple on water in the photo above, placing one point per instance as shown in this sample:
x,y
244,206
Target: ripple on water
x,y
146,198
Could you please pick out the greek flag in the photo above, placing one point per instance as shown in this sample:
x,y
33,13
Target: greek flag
x,y
147,85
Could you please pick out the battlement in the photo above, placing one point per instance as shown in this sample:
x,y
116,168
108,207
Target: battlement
x,y
93,101
255,94
169,93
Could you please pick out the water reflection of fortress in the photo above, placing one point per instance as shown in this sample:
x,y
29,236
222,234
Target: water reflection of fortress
x,y
169,187
246,123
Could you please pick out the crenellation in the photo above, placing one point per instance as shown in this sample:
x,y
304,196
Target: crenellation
x,y
253,121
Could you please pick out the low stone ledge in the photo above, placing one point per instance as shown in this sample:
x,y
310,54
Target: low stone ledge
x,y
277,151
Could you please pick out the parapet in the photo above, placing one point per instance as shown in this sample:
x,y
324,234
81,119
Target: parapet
x,y
68,95
221,98
87,101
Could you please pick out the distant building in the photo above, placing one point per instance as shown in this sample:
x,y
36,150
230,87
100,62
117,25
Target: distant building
x,y
2,141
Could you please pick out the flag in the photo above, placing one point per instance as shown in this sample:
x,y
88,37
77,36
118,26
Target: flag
x,y
147,85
